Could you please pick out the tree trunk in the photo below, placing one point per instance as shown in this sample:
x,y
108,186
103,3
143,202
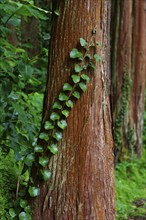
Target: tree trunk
x,y
82,183
128,74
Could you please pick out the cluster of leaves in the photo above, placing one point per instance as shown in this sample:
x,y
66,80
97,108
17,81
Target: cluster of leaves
x,y
22,86
130,181
57,121
120,117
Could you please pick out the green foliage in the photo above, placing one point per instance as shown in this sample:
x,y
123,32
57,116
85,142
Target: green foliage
x,y
130,186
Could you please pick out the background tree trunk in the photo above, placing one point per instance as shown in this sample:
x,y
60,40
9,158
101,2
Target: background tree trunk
x,y
82,183
128,74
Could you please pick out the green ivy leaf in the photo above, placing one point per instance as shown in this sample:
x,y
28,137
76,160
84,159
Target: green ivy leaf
x,y
27,209
89,56
57,135
24,216
57,105
91,64
83,42
63,97
30,158
34,191
44,136
46,174
43,161
38,149
75,54
65,113
97,57
75,78
48,125
54,116
69,104
76,94
62,124
12,212
57,12
78,68
82,86
53,148
67,87
85,77
23,203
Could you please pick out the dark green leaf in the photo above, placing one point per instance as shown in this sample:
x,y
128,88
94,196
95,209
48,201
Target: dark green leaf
x,y
57,105
76,94
12,212
82,86
92,65
53,148
54,116
29,159
46,174
65,113
67,87
75,53
57,135
83,42
44,136
38,149
97,57
78,68
43,161
27,209
62,124
57,12
75,78
23,203
85,77
25,216
89,56
34,191
48,125
63,97
69,104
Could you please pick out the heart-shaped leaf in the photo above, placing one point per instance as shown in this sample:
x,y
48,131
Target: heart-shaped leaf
x,y
62,124
67,87
53,148
54,116
24,216
12,212
69,104
48,125
75,54
57,135
38,149
46,174
83,42
97,57
27,209
34,191
75,78
76,94
44,136
29,159
23,203
65,113
63,97
85,77
57,105
78,68
43,161
82,86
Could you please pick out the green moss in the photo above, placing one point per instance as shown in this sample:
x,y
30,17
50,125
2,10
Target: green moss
x,y
130,181
8,181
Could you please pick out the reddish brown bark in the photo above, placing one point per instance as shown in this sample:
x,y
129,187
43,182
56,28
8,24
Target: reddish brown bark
x,y
82,183
129,57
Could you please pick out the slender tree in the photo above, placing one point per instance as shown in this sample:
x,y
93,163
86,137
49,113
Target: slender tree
x,y
128,74
82,181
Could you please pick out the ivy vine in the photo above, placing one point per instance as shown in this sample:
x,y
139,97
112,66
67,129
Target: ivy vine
x,y
55,125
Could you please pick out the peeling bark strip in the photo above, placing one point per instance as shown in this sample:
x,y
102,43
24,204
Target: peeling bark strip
x,y
82,184
129,56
